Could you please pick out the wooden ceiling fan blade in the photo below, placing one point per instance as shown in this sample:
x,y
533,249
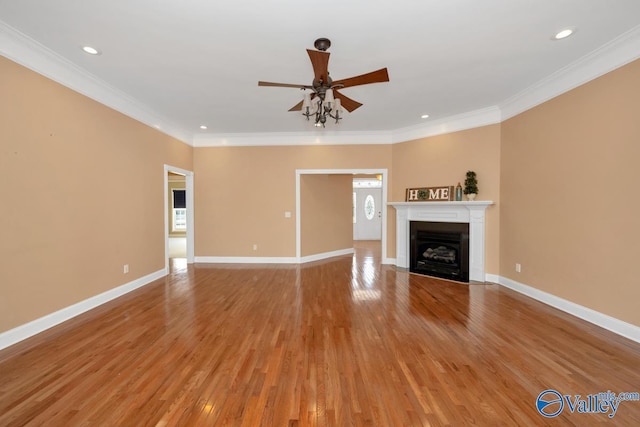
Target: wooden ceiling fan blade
x,y
284,85
346,102
297,107
378,76
320,63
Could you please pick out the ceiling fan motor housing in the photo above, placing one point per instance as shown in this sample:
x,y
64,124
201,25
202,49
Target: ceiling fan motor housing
x,y
320,87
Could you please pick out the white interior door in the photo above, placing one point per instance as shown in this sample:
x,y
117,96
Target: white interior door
x,y
368,225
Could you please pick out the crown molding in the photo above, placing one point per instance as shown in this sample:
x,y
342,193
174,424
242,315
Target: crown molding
x,y
29,53
614,54
313,137
33,55
469,120
464,121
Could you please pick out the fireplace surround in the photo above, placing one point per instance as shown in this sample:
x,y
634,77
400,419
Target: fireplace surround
x,y
471,213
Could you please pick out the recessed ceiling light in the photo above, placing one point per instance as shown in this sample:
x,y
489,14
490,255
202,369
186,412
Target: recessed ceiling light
x,y
203,127
425,116
91,50
564,34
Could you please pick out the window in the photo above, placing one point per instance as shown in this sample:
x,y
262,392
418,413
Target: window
x,y
179,220
369,207
353,211
367,183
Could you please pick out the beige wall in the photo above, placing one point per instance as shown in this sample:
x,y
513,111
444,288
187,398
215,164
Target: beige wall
x,y
326,219
86,191
242,193
444,160
569,210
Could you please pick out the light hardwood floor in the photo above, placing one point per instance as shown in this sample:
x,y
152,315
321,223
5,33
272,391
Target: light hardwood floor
x,y
339,342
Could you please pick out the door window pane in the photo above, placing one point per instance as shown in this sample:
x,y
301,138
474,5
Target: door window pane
x,y
369,207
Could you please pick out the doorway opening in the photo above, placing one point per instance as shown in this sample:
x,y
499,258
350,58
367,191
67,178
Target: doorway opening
x,y
178,216
383,173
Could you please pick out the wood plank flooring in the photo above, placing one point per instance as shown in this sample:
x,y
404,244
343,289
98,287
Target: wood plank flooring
x,y
339,342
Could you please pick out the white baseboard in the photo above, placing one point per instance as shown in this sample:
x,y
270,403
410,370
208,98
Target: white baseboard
x,y
245,260
34,327
492,278
612,324
325,255
270,260
389,261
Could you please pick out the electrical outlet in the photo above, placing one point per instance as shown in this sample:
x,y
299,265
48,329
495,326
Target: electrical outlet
x,y
287,214
255,247
518,268
125,269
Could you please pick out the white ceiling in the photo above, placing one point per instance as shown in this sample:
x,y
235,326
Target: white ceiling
x,y
181,64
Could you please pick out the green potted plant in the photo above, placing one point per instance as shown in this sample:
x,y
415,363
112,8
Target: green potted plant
x,y
471,185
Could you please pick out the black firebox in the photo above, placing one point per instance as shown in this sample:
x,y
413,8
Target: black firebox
x,y
440,249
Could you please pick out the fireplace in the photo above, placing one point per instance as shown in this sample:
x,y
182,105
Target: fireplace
x,y
440,249
471,213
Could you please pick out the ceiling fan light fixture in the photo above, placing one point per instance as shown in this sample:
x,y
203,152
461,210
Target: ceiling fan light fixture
x,y
309,106
338,106
329,100
306,101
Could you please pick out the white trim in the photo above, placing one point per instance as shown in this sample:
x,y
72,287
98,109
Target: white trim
x,y
273,260
469,120
391,261
245,260
313,137
188,178
618,52
325,255
385,178
34,327
23,50
612,324
491,278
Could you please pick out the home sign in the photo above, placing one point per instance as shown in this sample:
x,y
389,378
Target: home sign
x,y
430,194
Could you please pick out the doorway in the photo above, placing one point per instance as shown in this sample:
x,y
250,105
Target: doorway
x,y
383,173
178,215
177,211
367,209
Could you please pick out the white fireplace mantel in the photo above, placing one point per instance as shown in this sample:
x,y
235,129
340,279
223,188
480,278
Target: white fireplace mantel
x,y
472,213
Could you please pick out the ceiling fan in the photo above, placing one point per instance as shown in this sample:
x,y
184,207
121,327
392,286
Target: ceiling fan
x,y
325,100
